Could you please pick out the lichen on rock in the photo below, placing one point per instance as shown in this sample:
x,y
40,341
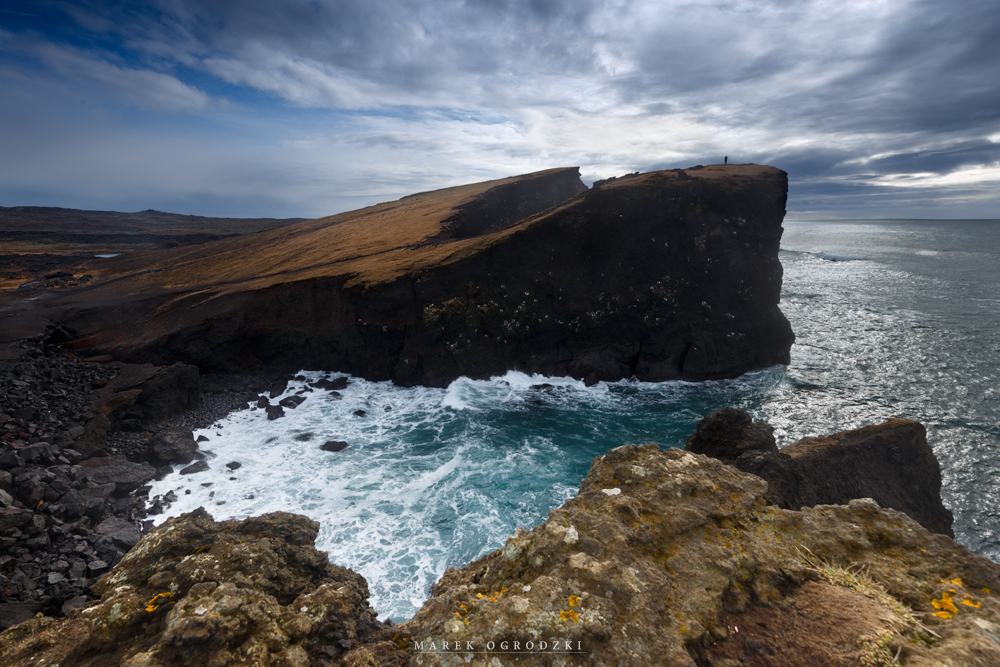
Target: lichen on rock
x,y
690,565
198,592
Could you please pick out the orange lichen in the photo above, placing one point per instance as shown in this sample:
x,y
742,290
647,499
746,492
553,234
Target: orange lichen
x,y
494,596
945,605
157,600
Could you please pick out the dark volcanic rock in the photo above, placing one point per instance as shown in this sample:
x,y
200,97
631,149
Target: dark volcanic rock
x,y
174,445
333,446
656,276
197,466
291,402
331,385
729,432
125,475
890,463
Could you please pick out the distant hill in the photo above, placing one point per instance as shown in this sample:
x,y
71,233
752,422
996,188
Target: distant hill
x,y
50,225
38,240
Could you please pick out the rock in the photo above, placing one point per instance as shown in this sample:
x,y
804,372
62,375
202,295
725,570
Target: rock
x,y
891,463
201,438
9,460
197,466
164,391
275,412
12,613
6,500
78,602
197,592
13,517
331,385
303,437
95,434
174,445
729,432
234,465
291,402
682,281
672,558
126,475
278,387
97,567
333,446
359,413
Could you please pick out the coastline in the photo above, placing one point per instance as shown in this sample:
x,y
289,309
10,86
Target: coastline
x,y
67,517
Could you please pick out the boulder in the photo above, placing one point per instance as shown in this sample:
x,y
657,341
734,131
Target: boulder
x,y
173,445
125,475
890,463
197,592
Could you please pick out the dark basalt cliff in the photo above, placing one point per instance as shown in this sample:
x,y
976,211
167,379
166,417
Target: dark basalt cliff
x,y
660,276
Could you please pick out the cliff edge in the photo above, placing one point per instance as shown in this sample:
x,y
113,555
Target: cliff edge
x,y
664,275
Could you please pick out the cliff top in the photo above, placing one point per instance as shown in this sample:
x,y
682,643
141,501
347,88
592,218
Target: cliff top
x,y
375,244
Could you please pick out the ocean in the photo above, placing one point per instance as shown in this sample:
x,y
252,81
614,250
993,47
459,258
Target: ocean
x,y
893,318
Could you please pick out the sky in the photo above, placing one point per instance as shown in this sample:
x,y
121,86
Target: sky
x,y
305,108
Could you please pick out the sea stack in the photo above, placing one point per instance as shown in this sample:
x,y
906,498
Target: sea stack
x,y
659,276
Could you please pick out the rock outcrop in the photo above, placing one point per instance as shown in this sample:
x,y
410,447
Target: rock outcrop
x,y
664,558
665,275
673,558
197,592
890,463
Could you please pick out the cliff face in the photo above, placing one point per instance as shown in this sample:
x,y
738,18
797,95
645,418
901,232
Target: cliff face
x,y
664,275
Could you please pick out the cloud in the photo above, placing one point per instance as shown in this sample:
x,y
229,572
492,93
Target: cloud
x,y
159,91
854,98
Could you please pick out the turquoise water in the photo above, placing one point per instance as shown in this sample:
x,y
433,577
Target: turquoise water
x,y
893,318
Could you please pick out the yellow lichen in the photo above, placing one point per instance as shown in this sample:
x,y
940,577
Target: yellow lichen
x,y
157,600
945,605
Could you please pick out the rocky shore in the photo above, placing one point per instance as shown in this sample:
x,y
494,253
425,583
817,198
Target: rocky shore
x,y
80,439
663,558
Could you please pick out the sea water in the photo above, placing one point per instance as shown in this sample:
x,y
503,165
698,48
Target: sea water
x,y
892,318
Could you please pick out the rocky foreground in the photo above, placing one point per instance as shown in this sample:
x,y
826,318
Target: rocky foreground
x,y
663,558
665,275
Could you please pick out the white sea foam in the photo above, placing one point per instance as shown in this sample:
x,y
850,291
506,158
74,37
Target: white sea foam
x,y
424,484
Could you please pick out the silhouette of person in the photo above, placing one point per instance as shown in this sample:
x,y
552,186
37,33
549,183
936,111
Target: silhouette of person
x,y
725,160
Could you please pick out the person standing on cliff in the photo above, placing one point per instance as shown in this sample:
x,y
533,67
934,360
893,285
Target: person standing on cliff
x,y
725,160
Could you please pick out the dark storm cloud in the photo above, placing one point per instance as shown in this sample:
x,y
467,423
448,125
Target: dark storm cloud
x,y
860,102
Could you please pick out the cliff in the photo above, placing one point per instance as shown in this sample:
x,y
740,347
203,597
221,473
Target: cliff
x,y
665,275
